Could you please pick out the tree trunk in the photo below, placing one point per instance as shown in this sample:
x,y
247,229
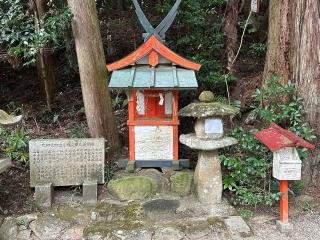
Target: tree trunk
x,y
93,72
45,62
277,60
294,53
230,29
305,69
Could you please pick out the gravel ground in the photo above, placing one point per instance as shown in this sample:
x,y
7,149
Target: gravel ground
x,y
306,226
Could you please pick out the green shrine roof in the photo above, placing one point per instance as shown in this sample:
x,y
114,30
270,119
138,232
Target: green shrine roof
x,y
146,77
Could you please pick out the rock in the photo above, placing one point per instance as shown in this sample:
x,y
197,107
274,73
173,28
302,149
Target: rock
x,y
132,188
158,177
212,109
156,207
236,225
181,183
48,227
24,221
74,233
208,178
171,233
192,141
9,229
5,163
24,235
206,96
116,230
197,229
8,120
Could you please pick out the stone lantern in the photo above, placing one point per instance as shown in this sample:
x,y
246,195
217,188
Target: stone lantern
x,y
208,138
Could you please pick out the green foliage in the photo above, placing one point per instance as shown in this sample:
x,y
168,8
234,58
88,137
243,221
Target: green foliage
x,y
108,172
78,131
246,214
258,48
19,36
15,143
271,107
249,164
201,21
248,170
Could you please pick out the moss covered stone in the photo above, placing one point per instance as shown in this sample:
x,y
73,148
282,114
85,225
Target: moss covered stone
x,y
211,109
181,183
132,188
206,96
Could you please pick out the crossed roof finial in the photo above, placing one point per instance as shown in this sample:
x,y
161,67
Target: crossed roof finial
x,y
162,28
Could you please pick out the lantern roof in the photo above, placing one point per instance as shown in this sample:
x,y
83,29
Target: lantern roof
x,y
276,137
154,50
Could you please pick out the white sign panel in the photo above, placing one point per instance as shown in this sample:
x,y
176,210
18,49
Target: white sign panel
x,y
153,142
286,164
213,126
255,5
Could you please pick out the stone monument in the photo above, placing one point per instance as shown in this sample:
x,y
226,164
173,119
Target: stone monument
x,y
66,162
208,138
7,120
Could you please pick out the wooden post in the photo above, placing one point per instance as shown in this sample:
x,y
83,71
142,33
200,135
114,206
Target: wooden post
x,y
284,209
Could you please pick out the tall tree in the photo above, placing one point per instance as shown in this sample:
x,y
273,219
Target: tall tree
x,y
230,29
45,62
294,53
93,72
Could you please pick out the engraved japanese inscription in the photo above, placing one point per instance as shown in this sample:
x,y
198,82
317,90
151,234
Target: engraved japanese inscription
x,y
66,162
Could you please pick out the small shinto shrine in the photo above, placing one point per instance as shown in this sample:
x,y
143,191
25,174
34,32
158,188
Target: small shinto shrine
x,y
152,77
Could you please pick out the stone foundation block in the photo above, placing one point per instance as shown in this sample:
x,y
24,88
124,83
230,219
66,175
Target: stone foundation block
x,y
131,166
90,192
44,195
284,227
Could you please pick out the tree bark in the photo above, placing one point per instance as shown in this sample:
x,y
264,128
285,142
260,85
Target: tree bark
x,y
93,72
230,29
294,53
277,60
45,62
305,72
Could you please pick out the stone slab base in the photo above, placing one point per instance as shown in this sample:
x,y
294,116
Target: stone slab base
x,y
284,227
236,225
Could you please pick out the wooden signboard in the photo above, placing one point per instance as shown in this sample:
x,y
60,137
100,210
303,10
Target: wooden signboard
x,y
153,142
286,164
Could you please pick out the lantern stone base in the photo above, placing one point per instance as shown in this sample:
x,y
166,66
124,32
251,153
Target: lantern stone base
x,y
208,177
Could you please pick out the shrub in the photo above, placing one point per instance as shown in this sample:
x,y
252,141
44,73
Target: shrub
x,y
249,164
14,143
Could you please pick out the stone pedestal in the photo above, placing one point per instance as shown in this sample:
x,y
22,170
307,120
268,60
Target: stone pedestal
x,y
44,195
90,192
208,177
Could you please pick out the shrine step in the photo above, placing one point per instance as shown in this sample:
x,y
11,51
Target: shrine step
x,y
183,163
